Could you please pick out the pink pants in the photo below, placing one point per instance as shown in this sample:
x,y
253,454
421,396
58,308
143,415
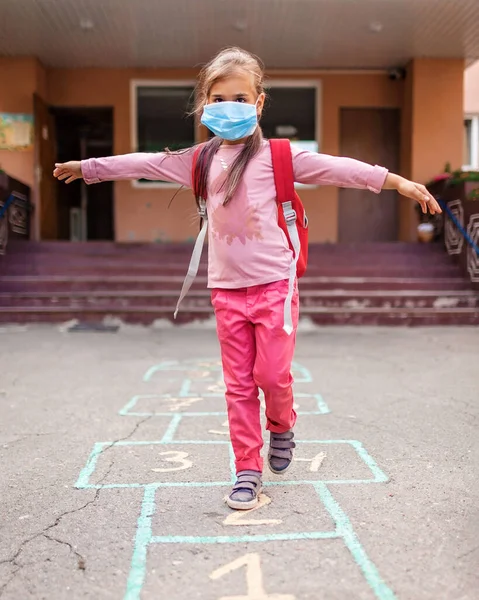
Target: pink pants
x,y
256,353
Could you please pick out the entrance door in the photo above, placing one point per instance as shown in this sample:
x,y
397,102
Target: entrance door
x,y
45,155
85,212
373,136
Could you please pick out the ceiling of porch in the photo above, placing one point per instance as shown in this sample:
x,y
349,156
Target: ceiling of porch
x,y
304,34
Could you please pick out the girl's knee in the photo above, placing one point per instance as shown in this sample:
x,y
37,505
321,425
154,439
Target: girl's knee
x,y
272,382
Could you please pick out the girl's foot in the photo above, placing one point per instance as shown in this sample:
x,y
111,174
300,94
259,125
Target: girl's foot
x,y
280,455
246,491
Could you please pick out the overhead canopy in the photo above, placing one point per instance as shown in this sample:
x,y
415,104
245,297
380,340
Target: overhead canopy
x,y
303,34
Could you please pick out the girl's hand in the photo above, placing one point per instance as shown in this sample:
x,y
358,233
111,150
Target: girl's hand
x,y
70,171
415,191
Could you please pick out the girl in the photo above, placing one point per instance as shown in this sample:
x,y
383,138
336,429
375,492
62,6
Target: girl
x,y
249,256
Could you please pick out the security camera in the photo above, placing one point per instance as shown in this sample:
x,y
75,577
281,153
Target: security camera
x,y
397,74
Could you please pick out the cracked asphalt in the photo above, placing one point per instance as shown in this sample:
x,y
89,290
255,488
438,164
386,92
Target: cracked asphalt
x,y
403,403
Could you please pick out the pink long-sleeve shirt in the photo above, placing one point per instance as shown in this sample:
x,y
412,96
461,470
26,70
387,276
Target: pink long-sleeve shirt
x,y
246,246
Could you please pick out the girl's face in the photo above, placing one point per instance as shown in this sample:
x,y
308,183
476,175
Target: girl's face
x,y
237,88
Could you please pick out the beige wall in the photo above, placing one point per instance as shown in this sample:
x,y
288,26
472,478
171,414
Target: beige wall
x,y
432,125
22,78
471,89
431,98
142,214
19,77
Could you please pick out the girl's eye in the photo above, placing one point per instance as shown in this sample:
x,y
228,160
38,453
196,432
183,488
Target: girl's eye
x,y
240,100
218,100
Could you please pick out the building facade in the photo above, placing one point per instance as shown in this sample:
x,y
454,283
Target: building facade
x,y
357,102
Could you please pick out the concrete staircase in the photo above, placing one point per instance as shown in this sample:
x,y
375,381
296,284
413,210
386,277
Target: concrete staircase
x,y
386,284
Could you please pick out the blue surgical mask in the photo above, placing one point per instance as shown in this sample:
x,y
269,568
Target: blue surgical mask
x,y
230,120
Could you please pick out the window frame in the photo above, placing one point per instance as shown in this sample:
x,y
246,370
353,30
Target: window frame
x,y
159,83
165,83
304,83
474,150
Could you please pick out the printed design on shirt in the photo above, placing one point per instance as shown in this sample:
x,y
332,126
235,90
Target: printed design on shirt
x,y
239,220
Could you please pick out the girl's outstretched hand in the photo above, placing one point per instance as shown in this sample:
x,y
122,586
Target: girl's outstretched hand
x,y
70,171
415,191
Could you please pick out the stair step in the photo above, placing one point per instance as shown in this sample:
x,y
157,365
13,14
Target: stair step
x,y
46,247
395,284
92,282
146,315
325,270
351,299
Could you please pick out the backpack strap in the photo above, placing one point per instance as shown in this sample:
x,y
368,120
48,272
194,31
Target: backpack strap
x,y
284,181
283,170
200,240
195,182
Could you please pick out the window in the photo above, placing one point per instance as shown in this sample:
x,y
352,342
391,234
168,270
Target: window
x,y
161,118
291,111
471,142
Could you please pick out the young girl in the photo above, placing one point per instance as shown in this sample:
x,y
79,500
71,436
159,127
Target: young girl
x,y
249,255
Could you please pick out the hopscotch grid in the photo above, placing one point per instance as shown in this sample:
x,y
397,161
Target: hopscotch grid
x,y
343,530
206,484
232,464
89,468
83,481
171,429
144,535
322,407
358,553
157,485
241,539
209,414
305,377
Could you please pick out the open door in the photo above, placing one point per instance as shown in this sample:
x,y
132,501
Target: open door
x,y
45,157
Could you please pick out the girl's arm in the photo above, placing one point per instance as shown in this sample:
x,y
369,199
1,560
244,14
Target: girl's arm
x,y
415,191
174,167
322,169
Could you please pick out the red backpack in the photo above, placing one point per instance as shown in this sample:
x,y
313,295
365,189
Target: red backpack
x,y
291,215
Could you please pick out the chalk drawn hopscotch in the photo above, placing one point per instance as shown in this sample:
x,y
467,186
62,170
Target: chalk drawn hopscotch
x,y
191,409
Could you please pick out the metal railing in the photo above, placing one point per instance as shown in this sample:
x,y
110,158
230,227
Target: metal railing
x,y
457,224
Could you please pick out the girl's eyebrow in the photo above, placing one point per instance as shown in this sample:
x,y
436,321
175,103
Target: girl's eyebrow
x,y
240,95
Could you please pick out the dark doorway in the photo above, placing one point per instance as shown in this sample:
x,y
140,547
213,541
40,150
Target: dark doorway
x,y
84,212
373,136
45,144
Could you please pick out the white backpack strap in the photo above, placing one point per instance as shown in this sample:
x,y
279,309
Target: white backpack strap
x,y
290,218
195,257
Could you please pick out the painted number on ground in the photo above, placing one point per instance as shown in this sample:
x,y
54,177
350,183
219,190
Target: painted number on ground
x,y
316,462
242,517
254,579
176,403
174,457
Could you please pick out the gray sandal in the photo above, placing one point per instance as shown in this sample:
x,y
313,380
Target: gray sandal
x,y
280,454
246,491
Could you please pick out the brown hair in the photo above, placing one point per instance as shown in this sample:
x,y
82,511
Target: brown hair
x,y
228,62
